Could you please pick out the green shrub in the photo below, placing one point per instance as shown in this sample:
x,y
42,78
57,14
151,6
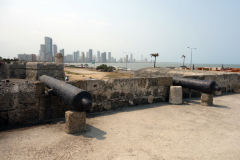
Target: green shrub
x,y
105,68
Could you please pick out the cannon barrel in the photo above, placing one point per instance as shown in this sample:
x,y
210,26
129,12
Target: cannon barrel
x,y
204,86
78,99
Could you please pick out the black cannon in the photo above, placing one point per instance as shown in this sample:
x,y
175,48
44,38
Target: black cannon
x,y
78,99
204,86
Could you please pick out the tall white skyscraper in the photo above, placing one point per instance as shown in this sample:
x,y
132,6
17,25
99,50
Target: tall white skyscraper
x,y
54,50
90,55
98,56
48,49
131,58
76,56
42,53
83,57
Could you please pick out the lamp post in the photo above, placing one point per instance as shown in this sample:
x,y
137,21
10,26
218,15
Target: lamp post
x,y
191,56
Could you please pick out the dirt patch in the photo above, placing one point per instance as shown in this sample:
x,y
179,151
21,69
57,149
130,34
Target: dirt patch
x,y
82,74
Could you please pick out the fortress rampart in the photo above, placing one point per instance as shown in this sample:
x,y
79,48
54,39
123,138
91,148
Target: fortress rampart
x,y
32,70
229,81
28,102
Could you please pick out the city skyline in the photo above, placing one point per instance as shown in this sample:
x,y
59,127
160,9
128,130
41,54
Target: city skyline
x,y
139,27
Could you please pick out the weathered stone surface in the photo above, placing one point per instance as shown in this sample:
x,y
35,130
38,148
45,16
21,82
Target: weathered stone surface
x,y
223,79
206,99
82,84
150,99
164,81
39,88
152,82
26,93
142,82
218,93
23,115
75,122
175,96
3,118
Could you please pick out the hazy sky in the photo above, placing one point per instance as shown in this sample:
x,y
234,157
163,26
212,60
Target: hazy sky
x,y
141,27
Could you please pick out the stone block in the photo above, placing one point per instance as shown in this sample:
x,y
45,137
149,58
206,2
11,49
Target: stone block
x,y
75,122
206,99
79,83
93,85
142,82
165,81
39,88
107,106
150,99
218,93
152,82
175,96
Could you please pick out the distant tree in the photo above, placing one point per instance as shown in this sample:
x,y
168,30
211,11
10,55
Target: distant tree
x,y
154,55
183,56
86,65
105,68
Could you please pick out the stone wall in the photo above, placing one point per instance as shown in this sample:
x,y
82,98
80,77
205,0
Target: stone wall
x,y
36,69
27,102
32,70
229,81
117,93
17,70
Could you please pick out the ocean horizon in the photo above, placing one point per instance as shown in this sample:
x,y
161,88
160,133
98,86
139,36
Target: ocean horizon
x,y
136,66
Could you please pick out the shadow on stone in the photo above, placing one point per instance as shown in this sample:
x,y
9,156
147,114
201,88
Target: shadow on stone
x,y
219,106
92,132
126,109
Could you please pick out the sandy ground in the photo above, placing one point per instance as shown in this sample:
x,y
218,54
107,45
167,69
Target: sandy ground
x,y
154,131
82,74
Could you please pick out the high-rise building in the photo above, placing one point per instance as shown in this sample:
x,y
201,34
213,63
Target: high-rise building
x,y
109,57
83,57
34,57
25,57
48,49
62,51
98,57
131,58
104,57
76,56
54,50
127,58
90,55
42,54
69,58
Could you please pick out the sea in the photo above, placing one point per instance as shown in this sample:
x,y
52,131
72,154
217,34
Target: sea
x,y
136,66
